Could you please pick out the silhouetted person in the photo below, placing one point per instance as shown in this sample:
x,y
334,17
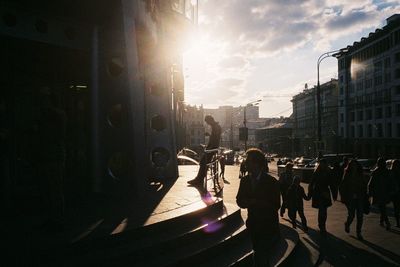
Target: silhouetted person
x,y
279,162
395,177
337,173
222,162
294,201
380,188
353,191
259,194
243,169
51,157
213,143
320,192
285,180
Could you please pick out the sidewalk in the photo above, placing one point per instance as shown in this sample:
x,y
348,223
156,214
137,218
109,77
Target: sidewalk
x,y
380,247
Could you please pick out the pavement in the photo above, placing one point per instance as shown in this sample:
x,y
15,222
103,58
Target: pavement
x,y
379,248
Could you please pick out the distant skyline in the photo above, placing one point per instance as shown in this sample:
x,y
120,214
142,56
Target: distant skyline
x,y
245,50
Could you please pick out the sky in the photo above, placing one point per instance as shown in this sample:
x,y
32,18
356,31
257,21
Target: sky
x,y
245,50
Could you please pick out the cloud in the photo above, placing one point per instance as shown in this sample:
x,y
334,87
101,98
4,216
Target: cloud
x,y
247,33
234,62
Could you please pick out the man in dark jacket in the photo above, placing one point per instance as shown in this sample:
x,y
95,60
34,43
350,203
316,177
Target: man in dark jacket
x,y
213,143
259,194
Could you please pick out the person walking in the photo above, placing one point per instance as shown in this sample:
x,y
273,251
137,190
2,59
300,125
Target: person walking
x,y
259,194
222,163
395,177
380,189
353,192
213,143
319,191
295,196
285,180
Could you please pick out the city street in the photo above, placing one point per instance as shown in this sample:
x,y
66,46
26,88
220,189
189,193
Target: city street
x,y
380,247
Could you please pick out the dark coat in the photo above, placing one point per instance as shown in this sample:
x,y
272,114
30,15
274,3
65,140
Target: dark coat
x,y
320,189
263,214
295,196
353,185
380,186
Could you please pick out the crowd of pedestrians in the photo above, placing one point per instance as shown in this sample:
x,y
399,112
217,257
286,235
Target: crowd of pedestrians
x,y
259,193
357,190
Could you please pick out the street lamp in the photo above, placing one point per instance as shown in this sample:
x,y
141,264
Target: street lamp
x,y
334,53
253,103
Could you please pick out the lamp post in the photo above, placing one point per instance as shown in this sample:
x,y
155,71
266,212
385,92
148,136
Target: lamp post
x,y
334,53
253,103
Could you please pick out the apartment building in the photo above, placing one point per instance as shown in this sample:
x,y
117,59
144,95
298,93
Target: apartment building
x,y
369,93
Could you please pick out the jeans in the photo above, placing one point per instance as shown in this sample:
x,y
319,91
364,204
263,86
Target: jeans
x,y
355,205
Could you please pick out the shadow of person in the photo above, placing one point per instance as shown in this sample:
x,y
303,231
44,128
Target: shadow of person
x,y
337,252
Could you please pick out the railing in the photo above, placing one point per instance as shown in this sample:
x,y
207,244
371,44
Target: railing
x,y
213,173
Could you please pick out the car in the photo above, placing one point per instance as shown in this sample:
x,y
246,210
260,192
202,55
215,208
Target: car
x,y
367,164
302,161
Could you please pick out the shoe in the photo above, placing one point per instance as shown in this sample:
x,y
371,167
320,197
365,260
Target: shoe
x,y
359,236
347,228
194,181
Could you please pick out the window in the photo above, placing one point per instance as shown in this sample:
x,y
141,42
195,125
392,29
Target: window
x,y
360,86
389,130
397,57
387,62
341,103
341,78
388,77
379,130
341,117
378,80
397,90
342,130
360,115
378,66
368,83
341,91
397,110
397,73
369,114
388,112
352,116
398,129
360,131
352,133
378,113
369,131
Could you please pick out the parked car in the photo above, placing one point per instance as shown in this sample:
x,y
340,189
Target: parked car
x,y
367,164
302,161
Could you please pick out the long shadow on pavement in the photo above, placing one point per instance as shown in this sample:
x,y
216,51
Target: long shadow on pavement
x,y
337,252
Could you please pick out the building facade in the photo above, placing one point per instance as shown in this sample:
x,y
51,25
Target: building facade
x,y
276,138
369,93
305,120
194,126
114,69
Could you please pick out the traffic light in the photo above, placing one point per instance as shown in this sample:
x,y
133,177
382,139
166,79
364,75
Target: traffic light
x,y
243,133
